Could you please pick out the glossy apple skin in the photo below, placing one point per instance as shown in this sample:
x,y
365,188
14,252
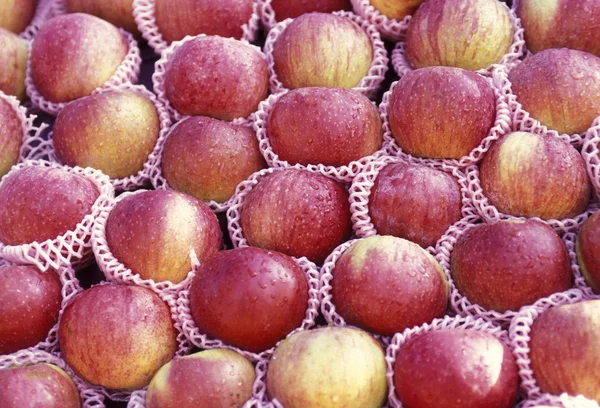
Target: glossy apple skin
x,y
217,378
348,363
15,15
509,264
414,202
330,126
529,175
565,344
588,242
42,203
29,305
438,34
11,136
386,284
117,336
441,112
216,77
560,88
396,9
153,232
13,54
319,49
207,158
455,369
298,213
39,385
74,54
117,12
291,9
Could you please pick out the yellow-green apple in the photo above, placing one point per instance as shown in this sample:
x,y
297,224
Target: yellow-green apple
x,y
396,9
15,15
74,54
39,385
319,49
11,136
153,233
113,131
177,18
529,175
117,336
29,305
328,367
469,34
207,158
216,77
249,297
42,203
117,12
588,256
217,378
386,284
441,112
13,57
565,349
291,9
455,369
297,212
509,264
330,126
414,202
560,88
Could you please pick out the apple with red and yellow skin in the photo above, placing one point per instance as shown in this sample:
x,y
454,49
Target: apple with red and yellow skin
x,y
588,242
529,175
216,77
11,135
291,9
319,49
509,264
74,54
153,232
396,9
560,88
439,35
330,126
117,336
297,212
117,12
441,112
39,385
217,378
455,369
327,367
13,57
40,203
207,158
414,202
15,15
386,284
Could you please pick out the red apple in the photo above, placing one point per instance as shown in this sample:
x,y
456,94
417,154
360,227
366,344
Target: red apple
x,y
455,369
13,60
385,284
396,9
117,12
298,213
529,175
15,15
291,9
441,112
207,158
117,336
153,232
588,242
330,126
11,136
40,203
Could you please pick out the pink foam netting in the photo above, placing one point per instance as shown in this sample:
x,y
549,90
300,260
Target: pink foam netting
x,y
44,11
561,401
390,29
591,155
570,239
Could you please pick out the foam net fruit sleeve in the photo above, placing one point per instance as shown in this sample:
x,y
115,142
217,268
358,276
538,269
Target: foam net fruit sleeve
x,y
44,11
559,401
591,155
389,28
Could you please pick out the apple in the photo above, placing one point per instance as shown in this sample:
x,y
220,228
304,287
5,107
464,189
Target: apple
x,y
414,202
207,158
216,77
330,126
117,336
38,385
291,9
15,15
319,49
565,349
74,54
396,9
469,34
153,232
11,135
13,57
297,212
529,175
509,264
218,378
113,131
117,12
328,366
441,112
560,88
588,242
455,369
177,18
40,203
386,284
